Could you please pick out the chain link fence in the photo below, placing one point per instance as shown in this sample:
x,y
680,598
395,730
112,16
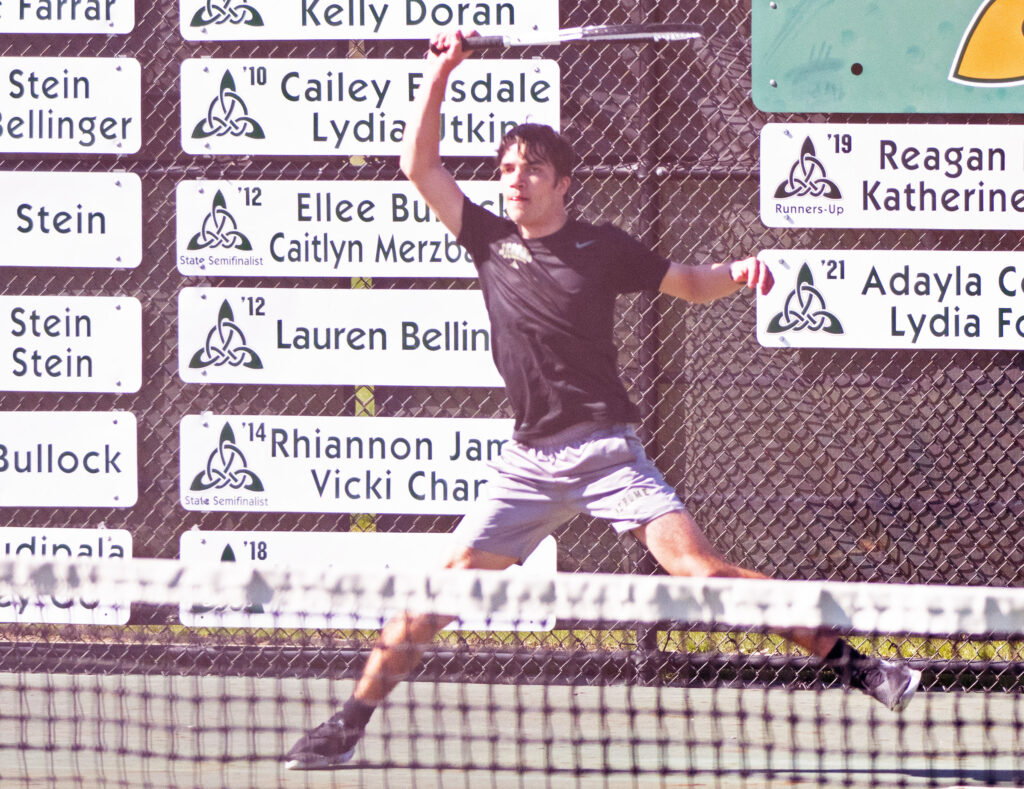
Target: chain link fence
x,y
846,465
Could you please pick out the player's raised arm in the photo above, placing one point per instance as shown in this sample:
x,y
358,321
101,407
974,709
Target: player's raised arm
x,y
421,157
701,284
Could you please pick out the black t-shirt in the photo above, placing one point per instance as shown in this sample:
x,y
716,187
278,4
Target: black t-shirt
x,y
551,303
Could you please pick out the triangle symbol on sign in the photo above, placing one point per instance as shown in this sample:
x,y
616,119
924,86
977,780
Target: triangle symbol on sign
x,y
992,50
228,555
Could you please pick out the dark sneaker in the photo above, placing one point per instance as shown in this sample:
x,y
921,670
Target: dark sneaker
x,y
327,747
893,684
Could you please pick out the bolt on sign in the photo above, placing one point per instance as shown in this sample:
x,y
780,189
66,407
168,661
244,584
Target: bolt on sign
x,y
68,16
355,106
404,465
898,56
297,20
335,337
356,552
70,220
927,176
64,543
68,459
319,229
893,299
70,344
70,105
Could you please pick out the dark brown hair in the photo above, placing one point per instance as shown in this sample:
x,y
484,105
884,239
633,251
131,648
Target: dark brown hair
x,y
541,143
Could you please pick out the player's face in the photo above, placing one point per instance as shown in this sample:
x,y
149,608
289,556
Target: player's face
x,y
534,194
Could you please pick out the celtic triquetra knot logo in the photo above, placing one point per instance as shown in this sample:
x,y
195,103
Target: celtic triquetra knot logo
x,y
220,230
226,12
226,467
805,309
228,116
807,177
225,345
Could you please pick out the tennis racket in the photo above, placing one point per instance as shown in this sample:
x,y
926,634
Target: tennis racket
x,y
584,35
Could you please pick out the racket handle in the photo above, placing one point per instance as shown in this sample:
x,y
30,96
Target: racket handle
x,y
483,42
473,43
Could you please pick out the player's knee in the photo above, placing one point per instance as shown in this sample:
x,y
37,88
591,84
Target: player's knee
x,y
412,628
460,559
463,558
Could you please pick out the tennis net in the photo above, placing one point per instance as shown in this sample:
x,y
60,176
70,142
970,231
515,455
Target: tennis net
x,y
566,680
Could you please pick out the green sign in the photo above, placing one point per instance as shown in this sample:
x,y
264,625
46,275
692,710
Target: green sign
x,y
899,56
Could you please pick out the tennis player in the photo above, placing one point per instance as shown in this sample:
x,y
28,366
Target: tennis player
x,y
550,283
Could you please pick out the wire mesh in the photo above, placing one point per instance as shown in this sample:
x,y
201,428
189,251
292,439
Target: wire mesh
x,y
845,465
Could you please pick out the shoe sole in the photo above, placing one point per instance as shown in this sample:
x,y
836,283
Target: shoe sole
x,y
321,762
908,692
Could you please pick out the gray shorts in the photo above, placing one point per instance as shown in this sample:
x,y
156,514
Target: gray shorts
x,y
532,490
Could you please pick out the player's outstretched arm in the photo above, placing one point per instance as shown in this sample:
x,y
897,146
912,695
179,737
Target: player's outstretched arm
x,y
421,157
701,284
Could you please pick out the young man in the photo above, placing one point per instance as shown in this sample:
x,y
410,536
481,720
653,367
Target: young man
x,y
549,283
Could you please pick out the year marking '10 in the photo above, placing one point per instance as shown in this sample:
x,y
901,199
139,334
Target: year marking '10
x,y
257,74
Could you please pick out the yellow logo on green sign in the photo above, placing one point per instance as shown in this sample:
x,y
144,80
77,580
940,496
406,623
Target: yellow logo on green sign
x,y
992,49
897,56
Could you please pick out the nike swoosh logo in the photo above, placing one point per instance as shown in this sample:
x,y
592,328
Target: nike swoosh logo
x,y
582,244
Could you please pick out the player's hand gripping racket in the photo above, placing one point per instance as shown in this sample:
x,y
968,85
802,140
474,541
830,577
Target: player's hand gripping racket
x,y
583,35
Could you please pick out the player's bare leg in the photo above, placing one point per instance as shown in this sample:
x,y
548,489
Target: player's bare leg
x,y
683,549
403,639
397,652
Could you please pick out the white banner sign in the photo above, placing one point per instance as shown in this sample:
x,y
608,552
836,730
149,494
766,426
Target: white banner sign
x,y
70,344
304,336
337,464
893,299
68,459
67,16
307,108
892,175
70,105
318,229
60,543
72,220
295,20
344,551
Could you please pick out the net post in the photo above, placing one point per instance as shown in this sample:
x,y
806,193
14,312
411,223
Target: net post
x,y
649,368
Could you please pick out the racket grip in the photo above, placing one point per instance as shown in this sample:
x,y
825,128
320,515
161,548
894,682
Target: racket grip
x,y
473,43
483,42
